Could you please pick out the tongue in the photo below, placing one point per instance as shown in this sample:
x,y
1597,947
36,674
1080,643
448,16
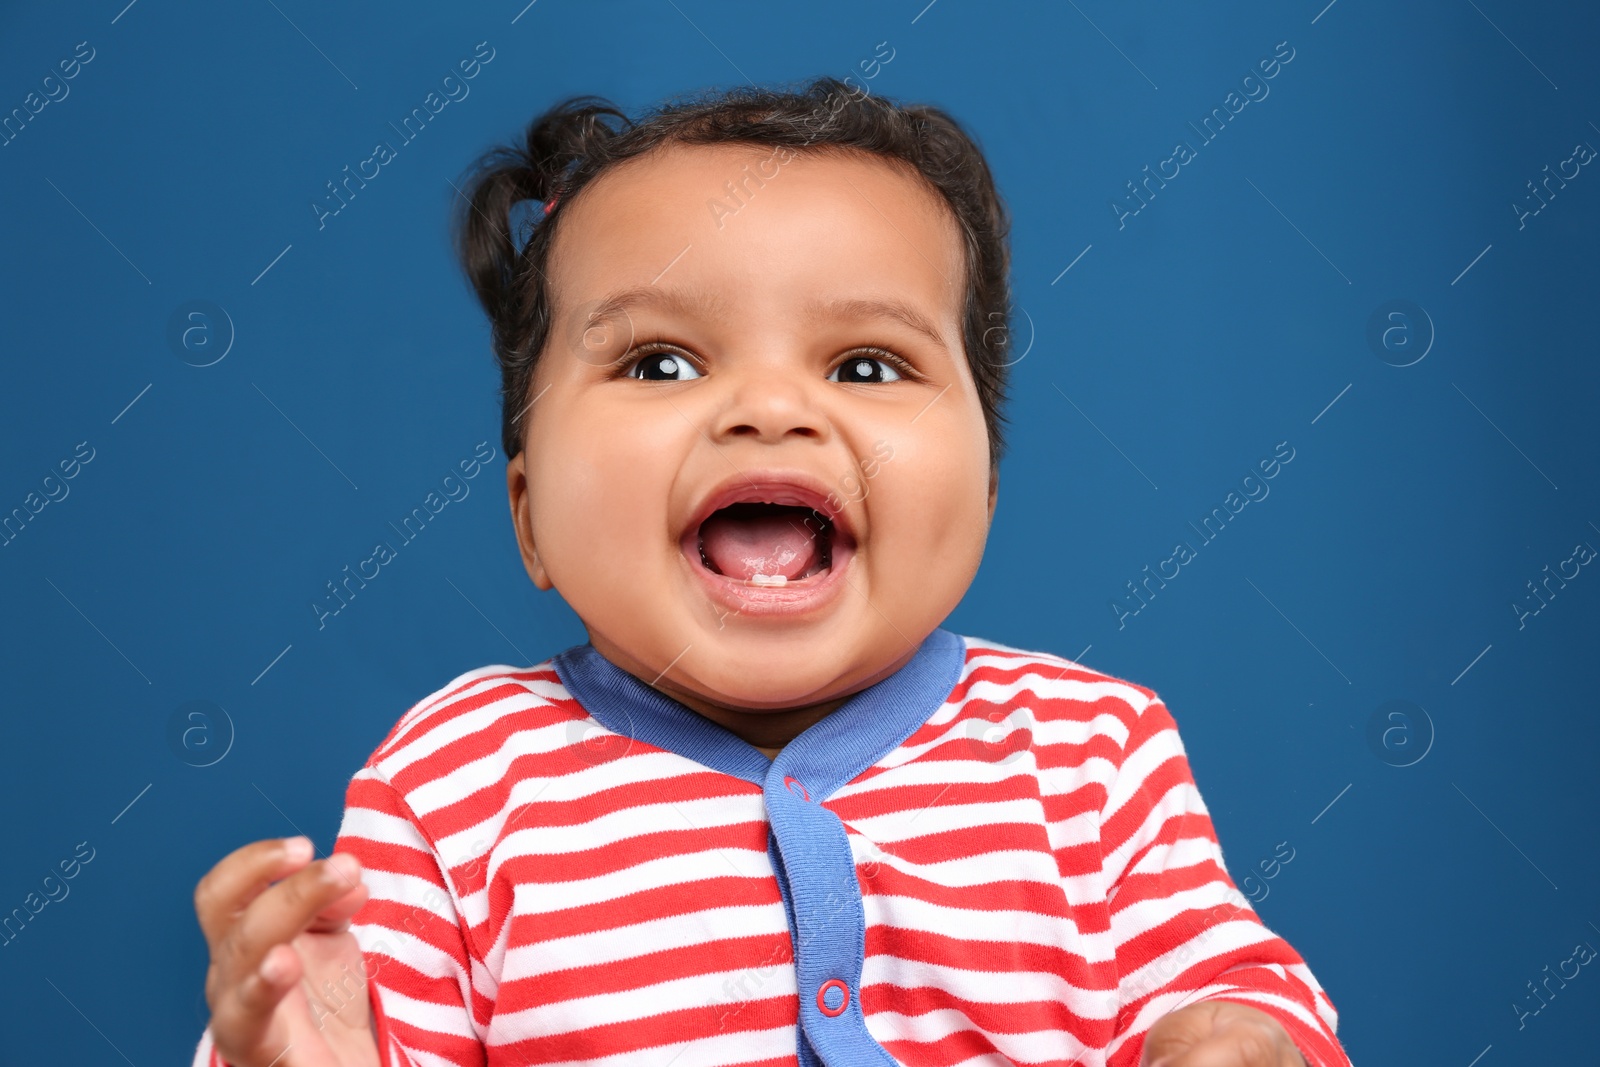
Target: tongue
x,y
744,540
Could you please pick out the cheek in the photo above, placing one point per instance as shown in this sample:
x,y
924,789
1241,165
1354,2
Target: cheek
x,y
929,506
598,496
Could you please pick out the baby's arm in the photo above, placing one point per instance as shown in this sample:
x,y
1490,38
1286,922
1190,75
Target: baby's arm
x,y
415,943
410,980
1197,970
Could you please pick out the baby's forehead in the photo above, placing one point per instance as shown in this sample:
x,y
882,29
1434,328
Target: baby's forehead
x,y
733,176
686,209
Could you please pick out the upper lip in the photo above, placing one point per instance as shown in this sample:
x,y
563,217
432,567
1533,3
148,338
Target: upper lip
x,y
786,487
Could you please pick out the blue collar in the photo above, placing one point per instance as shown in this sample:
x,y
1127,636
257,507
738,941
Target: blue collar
x,y
824,757
811,855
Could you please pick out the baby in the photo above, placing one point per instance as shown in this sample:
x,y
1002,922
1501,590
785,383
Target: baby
x,y
753,352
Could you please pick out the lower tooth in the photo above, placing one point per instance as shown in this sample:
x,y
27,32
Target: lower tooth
x,y
769,579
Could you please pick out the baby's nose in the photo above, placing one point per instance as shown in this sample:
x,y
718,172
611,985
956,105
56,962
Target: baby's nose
x,y
770,408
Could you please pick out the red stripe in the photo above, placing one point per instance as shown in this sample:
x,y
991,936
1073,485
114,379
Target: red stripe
x,y
1139,888
657,1031
473,746
420,712
989,957
493,799
644,906
416,922
1119,828
970,841
1019,1017
1047,673
631,852
409,777
999,895
763,952
954,1048
915,797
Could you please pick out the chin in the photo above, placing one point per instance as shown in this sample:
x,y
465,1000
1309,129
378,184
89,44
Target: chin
x,y
794,668
786,678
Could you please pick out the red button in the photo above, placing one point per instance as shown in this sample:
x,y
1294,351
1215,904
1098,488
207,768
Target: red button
x,y
791,784
822,998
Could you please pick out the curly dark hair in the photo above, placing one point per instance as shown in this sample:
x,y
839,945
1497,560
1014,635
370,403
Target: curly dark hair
x,y
578,139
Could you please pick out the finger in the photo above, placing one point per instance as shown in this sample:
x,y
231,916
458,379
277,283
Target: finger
x,y
242,1023
282,912
241,877
337,916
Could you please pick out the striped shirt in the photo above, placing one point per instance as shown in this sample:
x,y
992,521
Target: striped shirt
x,y
992,856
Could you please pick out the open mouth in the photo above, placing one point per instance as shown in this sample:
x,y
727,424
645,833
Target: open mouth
x,y
766,544
769,543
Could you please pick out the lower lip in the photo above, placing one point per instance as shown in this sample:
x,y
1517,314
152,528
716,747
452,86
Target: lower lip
x,y
800,597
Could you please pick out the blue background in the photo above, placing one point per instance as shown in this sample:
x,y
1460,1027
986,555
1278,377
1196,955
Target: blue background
x,y
1230,314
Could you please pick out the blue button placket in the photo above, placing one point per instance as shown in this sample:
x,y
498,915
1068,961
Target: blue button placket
x,y
810,851
829,930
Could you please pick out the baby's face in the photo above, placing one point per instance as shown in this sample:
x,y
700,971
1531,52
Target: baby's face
x,y
755,485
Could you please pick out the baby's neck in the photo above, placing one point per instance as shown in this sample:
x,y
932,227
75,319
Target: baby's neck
x,y
766,730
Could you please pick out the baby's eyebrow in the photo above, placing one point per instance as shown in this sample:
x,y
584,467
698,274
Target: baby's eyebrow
x,y
680,300
857,309
696,301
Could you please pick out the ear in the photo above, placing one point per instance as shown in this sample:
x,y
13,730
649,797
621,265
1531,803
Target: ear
x,y
522,520
994,488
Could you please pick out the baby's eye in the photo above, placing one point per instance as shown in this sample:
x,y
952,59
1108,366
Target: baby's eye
x,y
862,370
663,367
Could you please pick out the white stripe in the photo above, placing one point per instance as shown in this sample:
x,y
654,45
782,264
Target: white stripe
x,y
1176,855
469,682
931,772
1002,926
976,728
639,939
983,987
405,1057
1146,915
1034,1046
202,1051
529,792
1325,1010
1049,668
1022,865
943,817
426,1015
1085,691
1211,943
417,894
1181,798
676,869
419,955
382,827
614,827
464,724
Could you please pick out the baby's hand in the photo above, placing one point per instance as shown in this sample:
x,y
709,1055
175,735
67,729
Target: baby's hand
x,y
274,940
1219,1033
